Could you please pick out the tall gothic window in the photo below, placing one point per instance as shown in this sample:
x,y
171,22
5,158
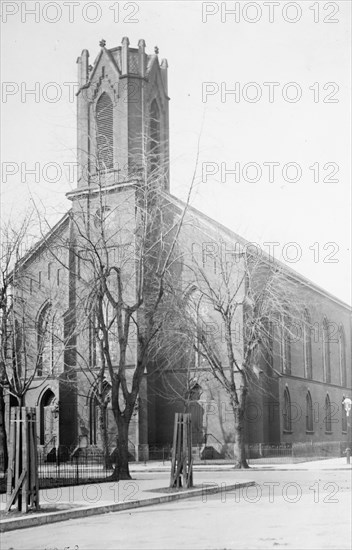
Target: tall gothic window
x,y
342,356
49,341
44,340
326,351
287,413
307,345
309,413
105,134
154,146
285,344
95,436
327,414
343,419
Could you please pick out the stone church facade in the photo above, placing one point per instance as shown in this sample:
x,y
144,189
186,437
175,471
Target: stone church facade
x,y
122,99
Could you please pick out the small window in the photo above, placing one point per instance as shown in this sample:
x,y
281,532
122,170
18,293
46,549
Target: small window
x,y
58,277
154,146
31,286
327,414
40,279
49,271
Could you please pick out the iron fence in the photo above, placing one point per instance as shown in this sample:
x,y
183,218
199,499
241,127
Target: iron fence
x,y
80,466
295,452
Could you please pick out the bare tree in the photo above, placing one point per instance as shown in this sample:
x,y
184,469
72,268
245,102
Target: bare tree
x,y
22,347
229,315
125,252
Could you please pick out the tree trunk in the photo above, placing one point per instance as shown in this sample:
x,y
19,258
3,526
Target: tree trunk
x,y
104,436
121,470
3,436
239,448
239,445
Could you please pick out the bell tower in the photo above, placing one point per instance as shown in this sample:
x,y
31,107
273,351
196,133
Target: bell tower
x,y
122,117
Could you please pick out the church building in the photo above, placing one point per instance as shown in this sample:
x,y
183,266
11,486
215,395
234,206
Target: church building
x,y
122,116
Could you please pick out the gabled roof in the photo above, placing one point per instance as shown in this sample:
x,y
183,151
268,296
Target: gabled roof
x,y
103,52
38,246
228,233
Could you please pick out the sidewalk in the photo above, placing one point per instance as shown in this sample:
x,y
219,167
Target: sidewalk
x,y
323,464
221,466
149,486
146,489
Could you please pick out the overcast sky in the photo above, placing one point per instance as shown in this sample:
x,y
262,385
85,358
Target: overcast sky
x,y
210,52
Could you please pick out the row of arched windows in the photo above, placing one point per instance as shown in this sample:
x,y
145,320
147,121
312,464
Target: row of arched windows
x,y
328,414
329,333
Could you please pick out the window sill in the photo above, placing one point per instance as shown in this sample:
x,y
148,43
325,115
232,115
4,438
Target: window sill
x,y
328,432
344,432
288,431
309,432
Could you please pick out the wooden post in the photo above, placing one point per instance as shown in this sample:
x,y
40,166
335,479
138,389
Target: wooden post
x,y
22,481
182,463
12,438
25,458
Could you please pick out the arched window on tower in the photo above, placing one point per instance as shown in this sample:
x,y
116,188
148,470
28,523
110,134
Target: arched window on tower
x,y
287,413
342,356
326,352
154,142
105,133
307,345
309,413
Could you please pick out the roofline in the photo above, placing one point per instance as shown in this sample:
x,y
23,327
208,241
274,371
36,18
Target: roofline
x,y
38,245
241,240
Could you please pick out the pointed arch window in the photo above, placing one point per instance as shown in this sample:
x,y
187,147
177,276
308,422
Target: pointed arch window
x,y
49,341
287,412
309,413
342,356
343,419
307,345
326,352
95,410
285,344
154,144
105,133
46,417
327,419
44,340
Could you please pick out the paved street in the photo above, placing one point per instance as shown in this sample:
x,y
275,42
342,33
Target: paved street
x,y
286,509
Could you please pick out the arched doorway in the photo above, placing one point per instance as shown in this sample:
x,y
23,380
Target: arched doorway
x,y
48,420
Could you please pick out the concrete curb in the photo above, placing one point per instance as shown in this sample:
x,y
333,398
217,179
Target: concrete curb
x,y
54,517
